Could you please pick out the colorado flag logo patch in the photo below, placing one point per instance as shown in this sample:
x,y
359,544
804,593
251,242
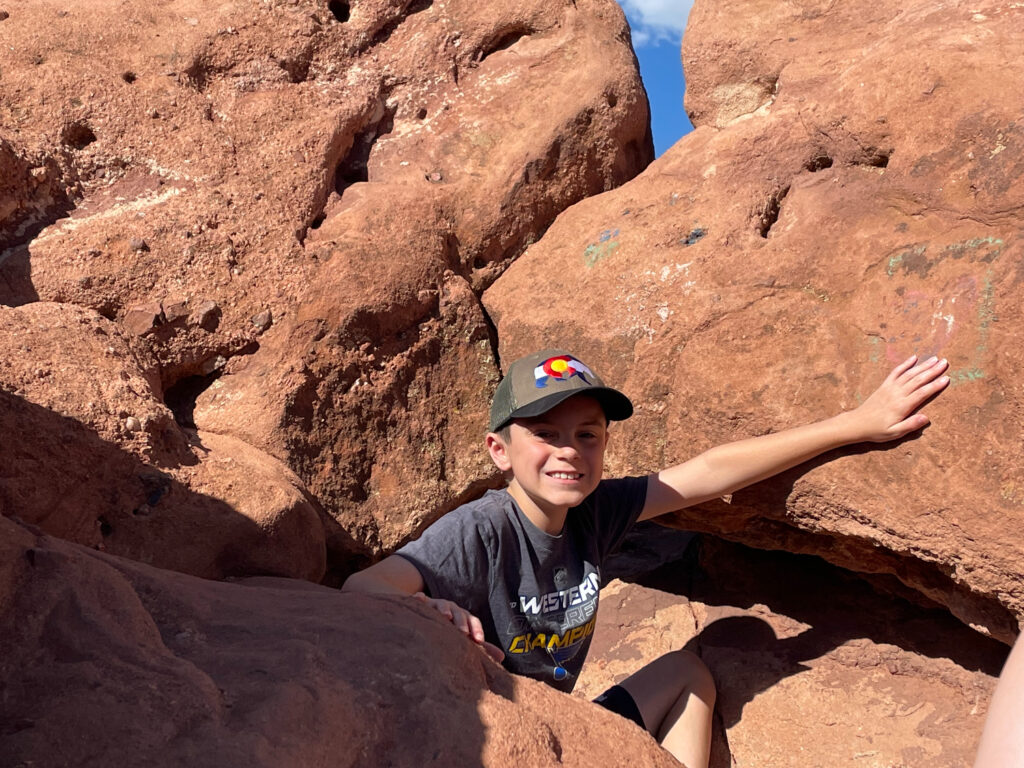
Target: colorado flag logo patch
x,y
561,368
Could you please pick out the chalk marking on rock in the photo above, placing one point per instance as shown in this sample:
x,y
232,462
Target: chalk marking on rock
x,y
602,249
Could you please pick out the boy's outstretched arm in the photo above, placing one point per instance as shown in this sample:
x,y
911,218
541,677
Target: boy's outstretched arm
x,y
888,414
394,575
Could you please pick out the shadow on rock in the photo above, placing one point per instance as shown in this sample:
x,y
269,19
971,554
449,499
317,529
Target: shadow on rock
x,y
826,608
104,661
60,475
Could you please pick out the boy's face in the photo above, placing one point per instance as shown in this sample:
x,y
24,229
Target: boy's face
x,y
556,459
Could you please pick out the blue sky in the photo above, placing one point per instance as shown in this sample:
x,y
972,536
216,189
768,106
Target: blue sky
x,y
657,27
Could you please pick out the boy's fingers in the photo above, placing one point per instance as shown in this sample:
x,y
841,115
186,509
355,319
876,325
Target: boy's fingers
x,y
908,425
902,367
476,628
927,389
460,621
919,378
910,374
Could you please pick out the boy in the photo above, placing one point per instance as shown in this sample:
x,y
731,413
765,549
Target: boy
x,y
519,570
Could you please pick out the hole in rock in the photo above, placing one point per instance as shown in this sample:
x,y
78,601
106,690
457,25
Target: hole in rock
x,y
353,168
421,114
769,213
129,77
818,163
612,100
107,309
77,136
315,224
503,42
181,397
105,528
340,10
878,158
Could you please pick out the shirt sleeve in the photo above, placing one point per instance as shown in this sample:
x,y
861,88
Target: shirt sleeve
x,y
453,559
616,506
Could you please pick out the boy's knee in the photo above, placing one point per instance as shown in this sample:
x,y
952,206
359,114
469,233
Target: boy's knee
x,y
695,675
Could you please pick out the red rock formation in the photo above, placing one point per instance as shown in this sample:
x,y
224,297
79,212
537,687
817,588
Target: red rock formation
x,y
104,661
92,455
304,199
852,195
813,666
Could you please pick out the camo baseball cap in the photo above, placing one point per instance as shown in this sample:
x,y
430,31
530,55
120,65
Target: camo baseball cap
x,y
537,383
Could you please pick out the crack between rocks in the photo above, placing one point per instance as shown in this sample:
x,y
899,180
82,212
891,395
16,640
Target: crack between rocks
x,y
492,333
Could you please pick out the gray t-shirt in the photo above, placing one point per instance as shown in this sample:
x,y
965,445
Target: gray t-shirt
x,y
535,594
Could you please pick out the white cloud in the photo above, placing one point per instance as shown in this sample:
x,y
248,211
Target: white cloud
x,y
653,21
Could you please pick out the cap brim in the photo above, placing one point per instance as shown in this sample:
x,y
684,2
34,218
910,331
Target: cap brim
x,y
616,405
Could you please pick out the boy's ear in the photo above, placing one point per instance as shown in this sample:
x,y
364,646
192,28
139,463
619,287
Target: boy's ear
x,y
499,451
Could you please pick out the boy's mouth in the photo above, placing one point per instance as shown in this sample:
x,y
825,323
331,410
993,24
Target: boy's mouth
x,y
565,475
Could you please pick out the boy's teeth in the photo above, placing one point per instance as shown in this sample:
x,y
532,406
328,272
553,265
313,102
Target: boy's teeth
x,y
565,475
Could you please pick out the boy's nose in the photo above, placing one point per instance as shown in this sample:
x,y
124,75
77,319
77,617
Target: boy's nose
x,y
567,450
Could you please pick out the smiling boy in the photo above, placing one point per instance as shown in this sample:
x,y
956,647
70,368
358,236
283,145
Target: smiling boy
x,y
519,570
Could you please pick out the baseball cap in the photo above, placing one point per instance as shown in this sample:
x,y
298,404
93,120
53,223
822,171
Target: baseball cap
x,y
537,383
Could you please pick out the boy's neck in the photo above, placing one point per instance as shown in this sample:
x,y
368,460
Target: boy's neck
x,y
551,521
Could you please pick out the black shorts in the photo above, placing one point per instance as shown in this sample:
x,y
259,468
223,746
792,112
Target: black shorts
x,y
617,699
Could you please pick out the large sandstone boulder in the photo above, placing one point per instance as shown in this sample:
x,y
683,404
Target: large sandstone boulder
x,y
104,661
813,666
301,201
853,194
92,455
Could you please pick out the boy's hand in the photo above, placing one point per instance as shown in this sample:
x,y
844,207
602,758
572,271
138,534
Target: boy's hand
x,y
465,622
889,413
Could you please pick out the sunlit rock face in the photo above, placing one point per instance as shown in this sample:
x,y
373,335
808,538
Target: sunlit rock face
x,y
852,195
290,209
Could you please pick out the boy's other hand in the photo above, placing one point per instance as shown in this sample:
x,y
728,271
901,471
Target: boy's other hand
x,y
891,410
465,622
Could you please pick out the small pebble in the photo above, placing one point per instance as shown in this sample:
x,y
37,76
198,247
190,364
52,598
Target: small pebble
x,y
263,320
4,15
138,244
207,315
131,424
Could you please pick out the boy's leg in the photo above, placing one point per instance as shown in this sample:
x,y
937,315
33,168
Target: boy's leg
x,y
1002,741
676,696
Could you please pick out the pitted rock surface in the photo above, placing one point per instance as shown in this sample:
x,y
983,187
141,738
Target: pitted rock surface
x,y
299,202
851,196
92,455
